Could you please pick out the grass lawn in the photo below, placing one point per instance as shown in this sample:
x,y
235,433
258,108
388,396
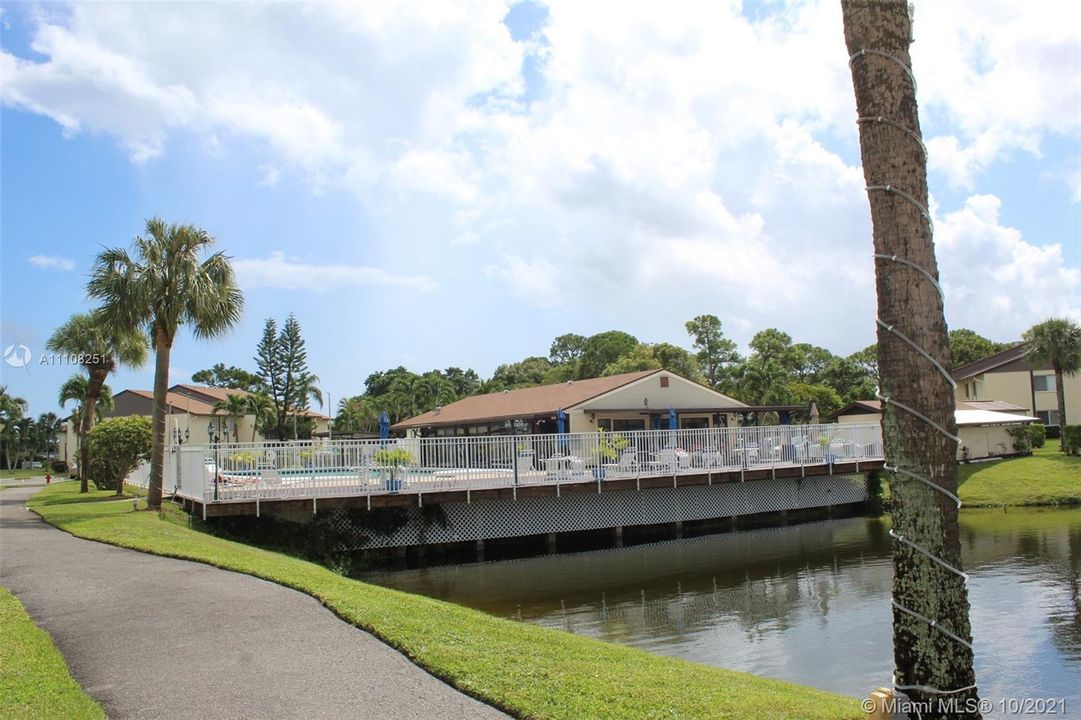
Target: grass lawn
x,y
24,474
34,679
1047,477
527,670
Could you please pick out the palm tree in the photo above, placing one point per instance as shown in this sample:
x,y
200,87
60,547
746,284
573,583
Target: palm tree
x,y
1056,341
931,630
99,343
305,391
74,390
50,427
233,406
162,286
12,409
262,407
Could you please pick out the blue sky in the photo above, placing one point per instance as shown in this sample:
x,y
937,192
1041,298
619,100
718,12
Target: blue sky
x,y
456,184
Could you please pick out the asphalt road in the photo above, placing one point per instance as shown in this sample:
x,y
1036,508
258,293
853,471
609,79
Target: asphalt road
x,y
152,637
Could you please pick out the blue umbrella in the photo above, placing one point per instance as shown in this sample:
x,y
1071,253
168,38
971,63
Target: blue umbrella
x,y
671,418
561,426
384,425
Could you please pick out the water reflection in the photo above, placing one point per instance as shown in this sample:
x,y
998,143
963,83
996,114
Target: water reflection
x,y
808,603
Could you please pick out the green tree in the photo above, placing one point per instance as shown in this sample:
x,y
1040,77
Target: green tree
x,y
164,285
116,447
356,414
233,407
100,342
525,373
282,358
603,349
262,408
640,358
716,353
930,600
1057,341
966,346
465,382
850,379
50,426
12,410
867,360
567,349
812,362
230,377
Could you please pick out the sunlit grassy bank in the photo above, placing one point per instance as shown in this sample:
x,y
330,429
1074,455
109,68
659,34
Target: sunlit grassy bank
x,y
34,679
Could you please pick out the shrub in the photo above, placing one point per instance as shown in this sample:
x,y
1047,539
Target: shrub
x,y
392,457
1038,433
117,446
1022,438
240,460
1071,439
59,467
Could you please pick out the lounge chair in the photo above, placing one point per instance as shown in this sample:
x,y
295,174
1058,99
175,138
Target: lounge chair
x,y
626,466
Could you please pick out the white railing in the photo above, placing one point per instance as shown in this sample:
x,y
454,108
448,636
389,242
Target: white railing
x,y
275,470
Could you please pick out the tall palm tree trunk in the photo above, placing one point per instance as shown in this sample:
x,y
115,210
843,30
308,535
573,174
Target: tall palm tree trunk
x,y
162,348
926,655
90,406
1060,396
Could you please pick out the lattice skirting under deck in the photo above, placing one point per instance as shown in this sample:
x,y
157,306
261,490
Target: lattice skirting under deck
x,y
492,519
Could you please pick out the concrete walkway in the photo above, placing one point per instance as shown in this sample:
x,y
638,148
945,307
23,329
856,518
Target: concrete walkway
x,y
152,637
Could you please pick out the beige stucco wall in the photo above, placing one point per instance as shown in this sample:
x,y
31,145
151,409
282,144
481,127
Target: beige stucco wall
x,y
1016,387
860,418
984,441
648,395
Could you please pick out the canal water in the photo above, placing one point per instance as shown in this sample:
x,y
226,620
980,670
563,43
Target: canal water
x,y
807,603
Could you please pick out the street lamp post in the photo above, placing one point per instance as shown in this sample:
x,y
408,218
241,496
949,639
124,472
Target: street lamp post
x,y
215,438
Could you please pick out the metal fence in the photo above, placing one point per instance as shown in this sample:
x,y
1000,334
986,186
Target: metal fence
x,y
230,472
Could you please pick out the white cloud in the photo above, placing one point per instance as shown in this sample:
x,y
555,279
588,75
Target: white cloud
x,y
996,280
279,271
691,160
1000,76
51,262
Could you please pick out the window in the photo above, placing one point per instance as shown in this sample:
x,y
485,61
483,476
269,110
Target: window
x,y
664,381
623,425
693,423
1043,383
604,424
1048,417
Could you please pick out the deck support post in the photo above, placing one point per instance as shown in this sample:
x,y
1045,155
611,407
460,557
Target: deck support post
x,y
678,525
480,550
617,533
315,507
553,547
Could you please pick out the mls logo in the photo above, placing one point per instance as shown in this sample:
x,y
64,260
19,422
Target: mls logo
x,y
18,356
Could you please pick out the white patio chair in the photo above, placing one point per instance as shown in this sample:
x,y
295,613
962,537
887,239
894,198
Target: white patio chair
x,y
555,467
627,465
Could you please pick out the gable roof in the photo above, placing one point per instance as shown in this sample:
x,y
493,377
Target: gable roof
x,y
524,402
1003,357
179,403
860,407
212,395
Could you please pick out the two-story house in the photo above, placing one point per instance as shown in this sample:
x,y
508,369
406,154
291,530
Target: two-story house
x,y
1012,377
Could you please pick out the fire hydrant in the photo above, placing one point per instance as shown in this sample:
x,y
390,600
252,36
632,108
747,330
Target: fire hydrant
x,y
48,478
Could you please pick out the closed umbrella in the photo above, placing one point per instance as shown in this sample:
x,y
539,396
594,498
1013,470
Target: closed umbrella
x,y
384,425
561,427
671,418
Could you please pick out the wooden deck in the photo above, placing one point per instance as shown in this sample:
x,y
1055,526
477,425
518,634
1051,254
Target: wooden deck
x,y
412,495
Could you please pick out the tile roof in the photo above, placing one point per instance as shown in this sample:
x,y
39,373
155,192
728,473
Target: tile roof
x,y
524,402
